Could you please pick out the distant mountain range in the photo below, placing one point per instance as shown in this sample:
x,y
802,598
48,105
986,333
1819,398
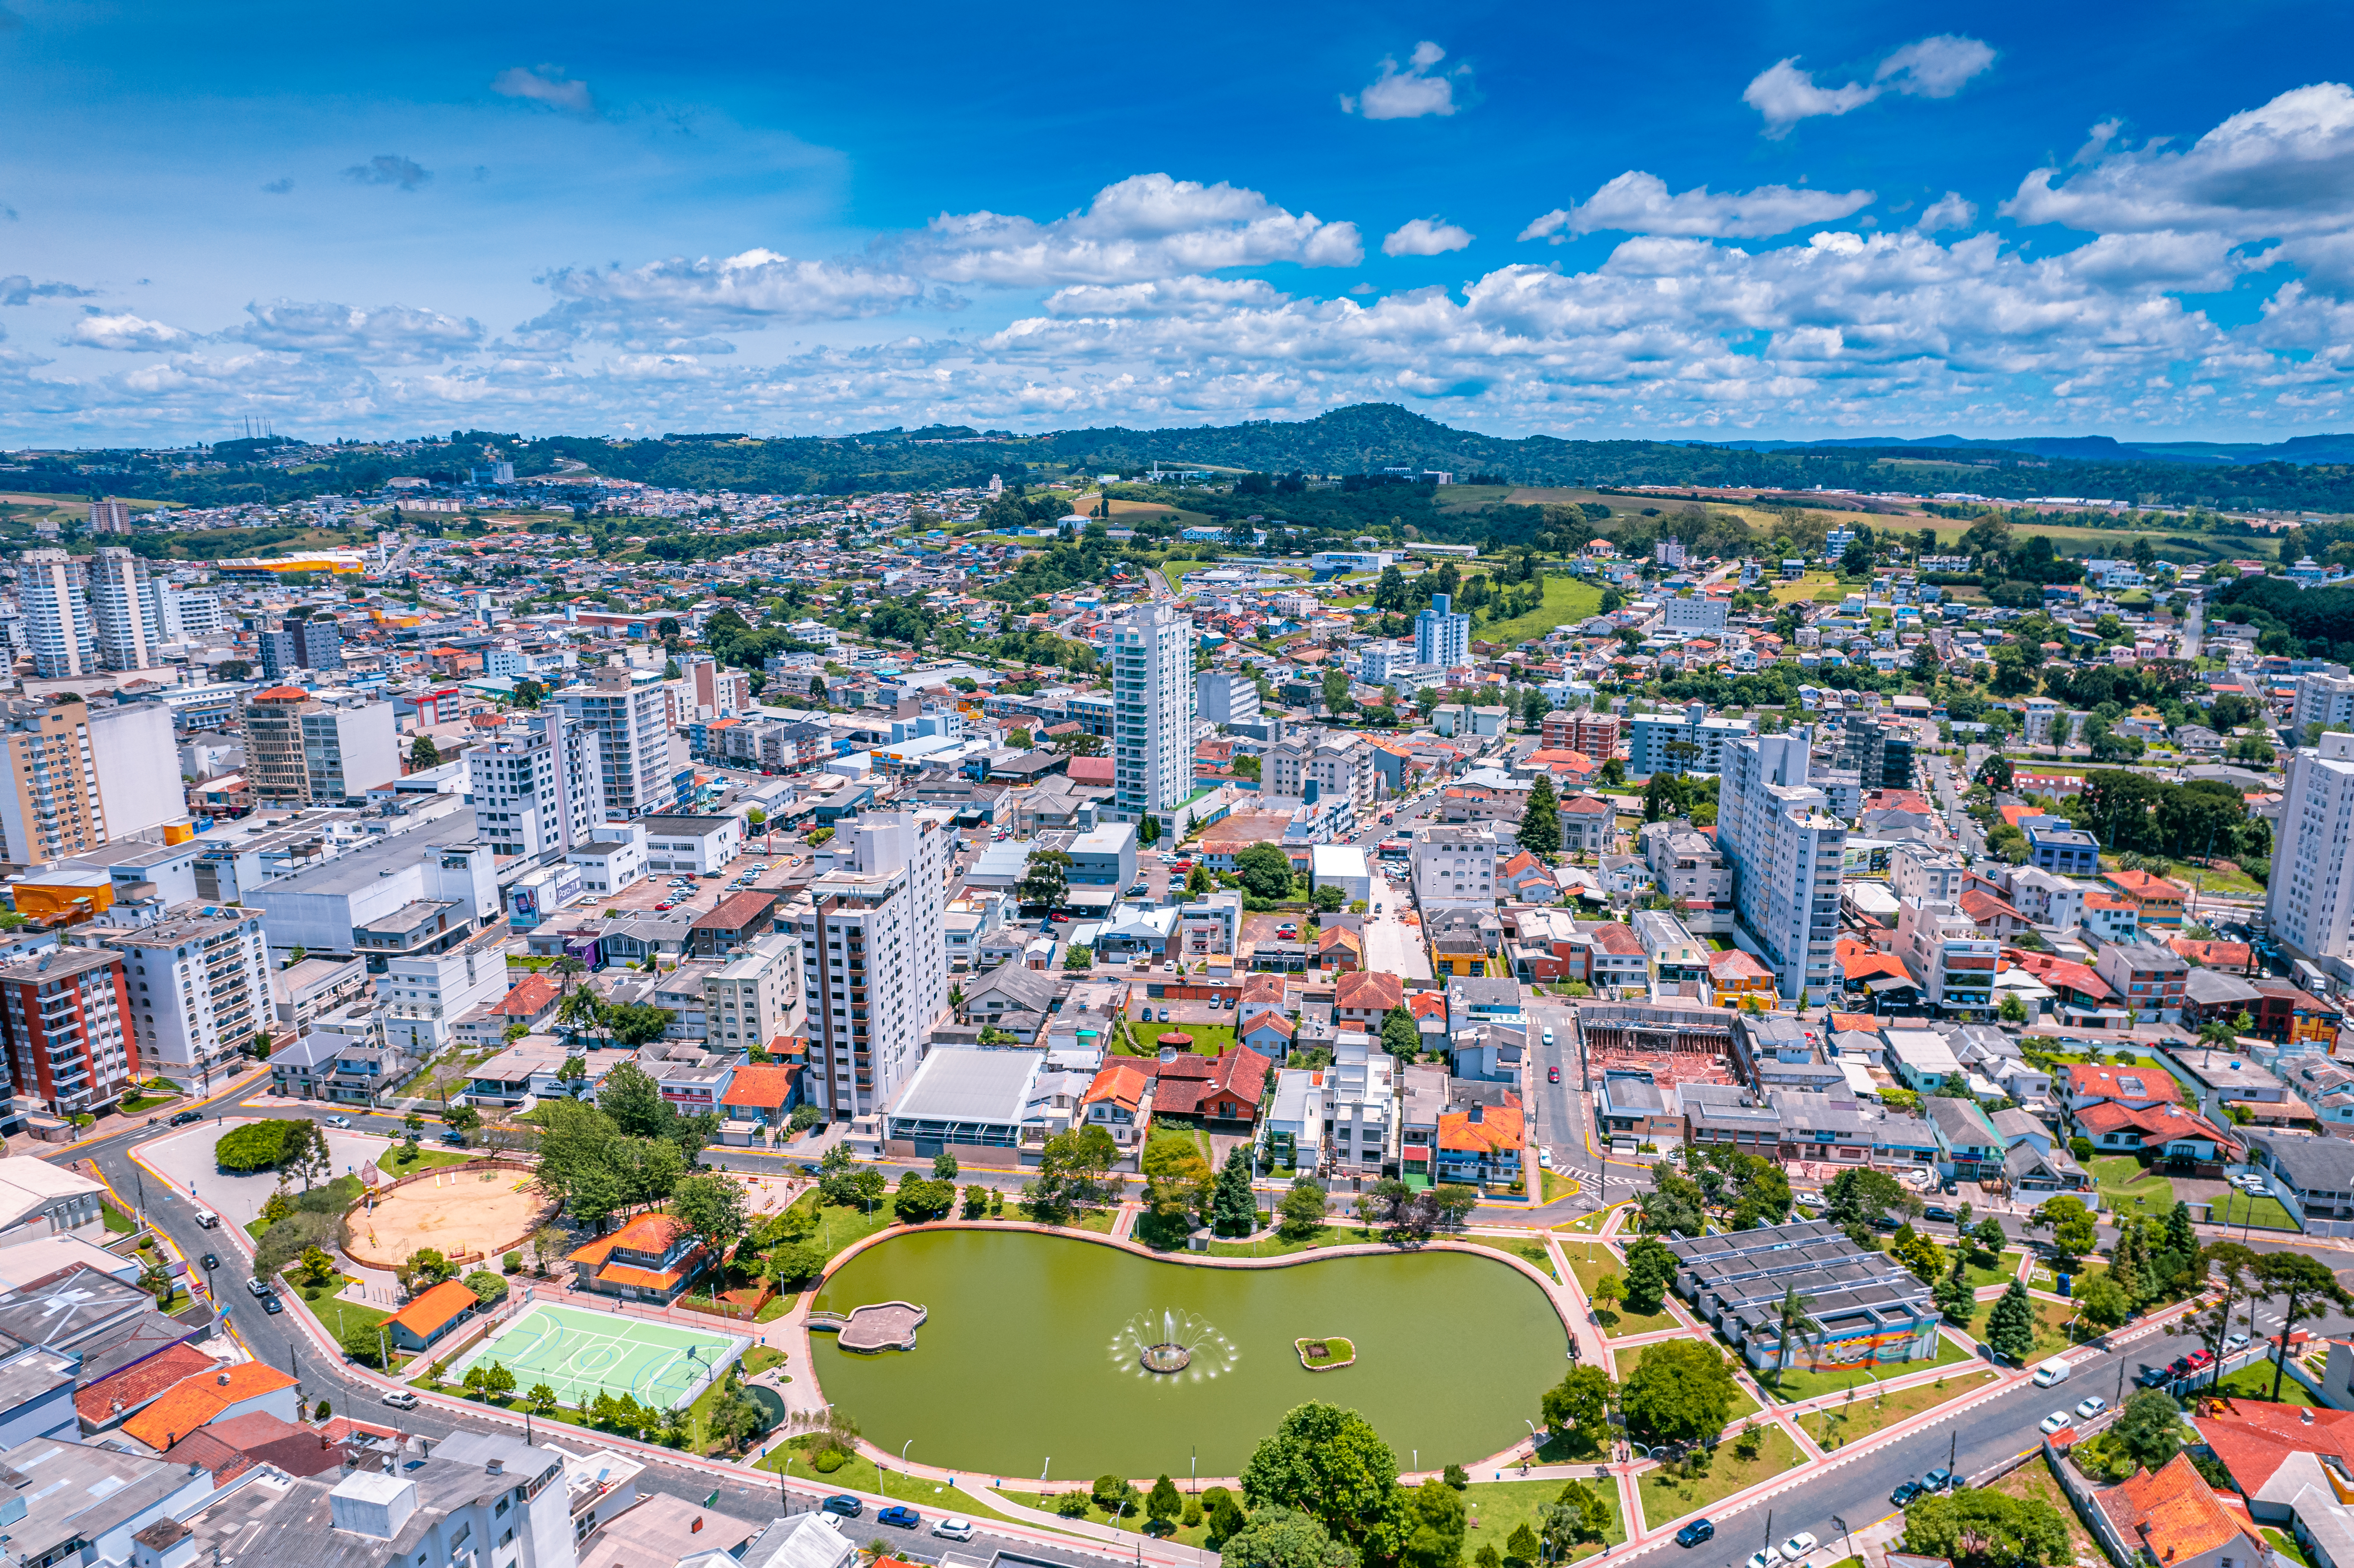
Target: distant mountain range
x,y
2093,448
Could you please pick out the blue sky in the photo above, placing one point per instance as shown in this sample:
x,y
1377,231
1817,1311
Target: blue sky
x,y
1699,221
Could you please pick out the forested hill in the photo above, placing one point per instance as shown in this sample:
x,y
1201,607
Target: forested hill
x,y
1356,439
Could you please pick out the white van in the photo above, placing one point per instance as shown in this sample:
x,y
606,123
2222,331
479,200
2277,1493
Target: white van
x,y
2052,1372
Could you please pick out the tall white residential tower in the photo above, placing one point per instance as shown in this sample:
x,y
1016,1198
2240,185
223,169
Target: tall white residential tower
x,y
2309,901
1784,849
1151,652
875,963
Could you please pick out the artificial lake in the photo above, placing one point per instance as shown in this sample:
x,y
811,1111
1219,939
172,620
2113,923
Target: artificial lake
x,y
1031,1355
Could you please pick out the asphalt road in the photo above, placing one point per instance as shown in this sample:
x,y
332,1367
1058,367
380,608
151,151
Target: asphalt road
x,y
280,1343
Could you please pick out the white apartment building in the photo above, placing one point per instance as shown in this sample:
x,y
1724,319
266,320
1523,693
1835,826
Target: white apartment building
x,y
122,611
634,740
875,960
199,989
56,614
754,997
303,752
1928,876
1948,956
1360,1107
1785,847
181,613
1152,653
539,784
1651,736
1454,866
1341,765
2310,899
2326,697
2046,897
1441,637
1694,615
614,858
1220,696
424,993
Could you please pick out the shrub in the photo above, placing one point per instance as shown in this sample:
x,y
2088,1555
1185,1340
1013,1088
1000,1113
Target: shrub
x,y
1073,1505
488,1288
512,1262
828,1461
256,1145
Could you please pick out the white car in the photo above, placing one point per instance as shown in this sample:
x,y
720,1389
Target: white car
x,y
1765,1559
1796,1549
400,1399
2236,1342
1544,1158
1548,1036
954,1529
2090,1407
2052,1423
339,1121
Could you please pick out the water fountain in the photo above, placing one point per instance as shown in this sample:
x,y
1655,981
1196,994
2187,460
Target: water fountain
x,y
1168,1354
1172,1343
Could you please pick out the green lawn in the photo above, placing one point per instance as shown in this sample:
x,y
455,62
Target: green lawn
x,y
859,1475
1209,1039
2005,1268
1625,1361
1665,1497
1799,1383
1126,1520
1590,1261
397,1161
2286,1546
1567,601
1494,1509
2130,1189
838,1228
1558,1186
1866,1414
1276,1246
2050,1316
2261,1213
2256,1382
117,1223
1590,1222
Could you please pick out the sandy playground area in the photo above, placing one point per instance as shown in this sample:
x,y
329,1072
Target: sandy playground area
x,y
461,1211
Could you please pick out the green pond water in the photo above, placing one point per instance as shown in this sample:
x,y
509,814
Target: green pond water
x,y
1031,1355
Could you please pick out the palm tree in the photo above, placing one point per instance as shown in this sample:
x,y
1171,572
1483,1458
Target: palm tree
x,y
564,968
580,1011
1794,1322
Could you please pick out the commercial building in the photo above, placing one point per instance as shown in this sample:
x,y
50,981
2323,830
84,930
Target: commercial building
x,y
1948,956
1865,1308
56,617
2309,899
303,752
63,1018
421,891
539,784
1340,766
709,692
199,986
1152,653
312,644
874,960
1442,636
1786,850
693,844
1694,615
633,739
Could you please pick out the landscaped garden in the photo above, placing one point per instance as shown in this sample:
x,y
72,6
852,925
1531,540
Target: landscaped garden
x,y
1590,1261
1864,1412
2130,1189
1798,1383
1672,1491
1496,1511
2256,1382
2238,1208
2052,1318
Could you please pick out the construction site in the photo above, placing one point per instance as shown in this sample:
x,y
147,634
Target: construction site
x,y
1674,1045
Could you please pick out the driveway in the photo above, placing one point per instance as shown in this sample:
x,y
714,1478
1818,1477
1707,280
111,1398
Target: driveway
x,y
1392,947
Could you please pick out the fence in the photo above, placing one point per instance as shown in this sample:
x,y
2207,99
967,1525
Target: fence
x,y
2081,1497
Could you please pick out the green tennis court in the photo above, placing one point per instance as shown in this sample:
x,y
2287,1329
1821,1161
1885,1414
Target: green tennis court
x,y
576,1352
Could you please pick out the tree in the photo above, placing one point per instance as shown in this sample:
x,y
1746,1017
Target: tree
x,y
1579,1403
1792,1320
1681,1389
2012,1010
1650,1269
1995,772
423,754
1328,1463
1856,1197
1045,878
1301,1213
944,1166
1165,1501
1919,1253
635,1023
2150,1428
1276,1538
1521,1546
1071,1169
1147,830
1990,1235
2235,1265
1401,1035
1540,831
2010,1327
1080,955
1954,1297
2104,1300
1265,870
1608,1291
489,1289
2071,1224
1434,1527
1986,1529
634,1103
1232,1210
232,670
1674,1204
713,1208
2302,1281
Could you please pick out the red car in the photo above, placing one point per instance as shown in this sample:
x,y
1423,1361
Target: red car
x,y
1552,1075
1061,919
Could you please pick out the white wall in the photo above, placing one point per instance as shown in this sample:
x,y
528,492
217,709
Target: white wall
x,y
132,747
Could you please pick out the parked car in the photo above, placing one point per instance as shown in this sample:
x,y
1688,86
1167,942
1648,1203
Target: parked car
x,y
182,1119
2154,1377
1765,1559
1796,1549
210,1260
452,1136
1905,1493
272,1306
2052,1423
257,1287
844,1504
2200,1358
2236,1342
899,1516
1544,1158
1887,1223
953,1529
400,1399
1938,1480
1695,1532
206,1220
2088,1408
1938,1211
1552,1075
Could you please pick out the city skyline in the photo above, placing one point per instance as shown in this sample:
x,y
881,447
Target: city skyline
x,y
1843,223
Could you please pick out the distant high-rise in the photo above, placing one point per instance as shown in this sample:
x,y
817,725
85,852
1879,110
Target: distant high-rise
x,y
1221,696
633,738
1441,637
1151,652
2309,900
57,615
123,610
110,516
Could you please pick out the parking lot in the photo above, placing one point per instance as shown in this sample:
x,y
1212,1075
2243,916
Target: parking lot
x,y
700,894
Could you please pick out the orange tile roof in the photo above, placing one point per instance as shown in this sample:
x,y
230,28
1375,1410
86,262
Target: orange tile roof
x,y
646,1279
649,1232
195,1401
761,1086
2173,1514
1499,1127
429,1313
2252,1439
137,1384
2123,1082
529,998
2142,885
1371,992
1122,1083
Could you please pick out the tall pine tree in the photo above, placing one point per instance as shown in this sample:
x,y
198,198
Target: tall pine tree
x,y
1232,1210
1540,819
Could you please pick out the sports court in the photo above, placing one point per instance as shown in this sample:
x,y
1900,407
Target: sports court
x,y
576,1352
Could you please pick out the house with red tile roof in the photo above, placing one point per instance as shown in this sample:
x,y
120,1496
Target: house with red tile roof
x,y
1269,1034
2275,1451
651,1258
432,1315
2139,1088
261,1438
1362,1001
2173,1132
1119,1101
207,1396
1222,1092
2173,1517
758,1098
2233,958
1993,916
1338,949
2161,901
114,1399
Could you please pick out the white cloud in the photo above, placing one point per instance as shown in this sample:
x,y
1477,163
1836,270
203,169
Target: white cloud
x,y
1425,236
16,288
1935,67
381,334
1948,211
1196,297
546,85
1638,202
125,333
1146,227
1410,94
2285,168
663,304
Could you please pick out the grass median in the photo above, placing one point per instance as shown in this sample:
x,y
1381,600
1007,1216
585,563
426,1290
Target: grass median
x,y
1798,1383
1668,1496
1866,1413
